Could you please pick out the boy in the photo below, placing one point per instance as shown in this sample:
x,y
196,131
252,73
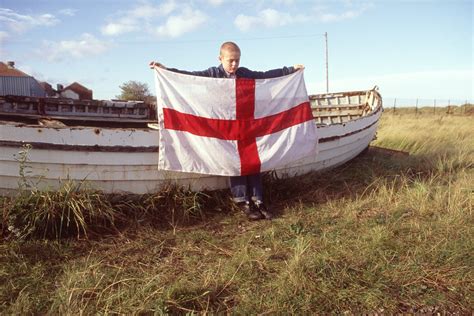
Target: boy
x,y
247,190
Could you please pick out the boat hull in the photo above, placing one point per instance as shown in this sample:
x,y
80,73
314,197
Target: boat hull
x,y
125,160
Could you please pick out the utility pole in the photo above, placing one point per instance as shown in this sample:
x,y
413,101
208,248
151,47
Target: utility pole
x,y
327,71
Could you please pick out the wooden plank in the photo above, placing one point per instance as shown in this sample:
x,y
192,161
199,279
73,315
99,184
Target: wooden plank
x,y
95,118
60,108
103,158
341,106
337,113
83,136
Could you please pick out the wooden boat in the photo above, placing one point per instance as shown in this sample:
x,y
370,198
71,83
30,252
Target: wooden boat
x,y
114,145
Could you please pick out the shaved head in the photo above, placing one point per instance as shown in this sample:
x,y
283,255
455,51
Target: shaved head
x,y
229,47
229,57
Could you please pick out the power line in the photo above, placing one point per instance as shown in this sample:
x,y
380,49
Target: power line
x,y
219,39
170,41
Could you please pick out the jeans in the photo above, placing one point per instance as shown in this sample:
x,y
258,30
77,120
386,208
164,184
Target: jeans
x,y
244,188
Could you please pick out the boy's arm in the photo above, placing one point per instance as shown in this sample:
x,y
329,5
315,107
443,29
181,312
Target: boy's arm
x,y
203,73
247,73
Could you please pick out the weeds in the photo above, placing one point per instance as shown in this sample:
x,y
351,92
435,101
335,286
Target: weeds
x,y
68,211
24,168
74,210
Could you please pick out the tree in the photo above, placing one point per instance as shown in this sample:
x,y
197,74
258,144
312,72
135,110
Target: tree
x,y
135,91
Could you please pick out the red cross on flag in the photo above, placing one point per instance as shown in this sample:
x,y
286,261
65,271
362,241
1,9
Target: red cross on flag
x,y
230,127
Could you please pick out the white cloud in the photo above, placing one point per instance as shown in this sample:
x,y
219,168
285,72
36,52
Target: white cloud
x,y
86,45
113,29
177,25
346,15
13,23
286,2
215,2
138,18
68,12
18,23
148,11
271,18
147,17
45,19
330,17
268,18
351,11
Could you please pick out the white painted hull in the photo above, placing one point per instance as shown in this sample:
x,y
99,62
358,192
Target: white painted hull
x,y
116,160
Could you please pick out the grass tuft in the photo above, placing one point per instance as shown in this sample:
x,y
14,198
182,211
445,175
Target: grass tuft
x,y
68,211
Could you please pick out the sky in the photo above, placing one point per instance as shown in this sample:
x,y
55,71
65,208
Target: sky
x,y
408,48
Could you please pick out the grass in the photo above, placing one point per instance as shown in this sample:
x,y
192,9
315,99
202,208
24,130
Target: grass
x,y
382,234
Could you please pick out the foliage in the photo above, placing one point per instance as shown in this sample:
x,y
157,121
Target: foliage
x,y
135,91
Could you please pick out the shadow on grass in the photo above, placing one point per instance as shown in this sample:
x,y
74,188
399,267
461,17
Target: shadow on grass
x,y
177,207
347,181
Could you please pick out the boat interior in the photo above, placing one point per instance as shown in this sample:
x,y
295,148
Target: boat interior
x,y
333,108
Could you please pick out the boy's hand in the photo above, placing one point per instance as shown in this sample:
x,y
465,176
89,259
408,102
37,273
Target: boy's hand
x,y
298,66
154,64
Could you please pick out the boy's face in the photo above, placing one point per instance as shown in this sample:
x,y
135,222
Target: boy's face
x,y
230,60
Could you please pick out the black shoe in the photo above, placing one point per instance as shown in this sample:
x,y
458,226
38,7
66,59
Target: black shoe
x,y
262,209
251,212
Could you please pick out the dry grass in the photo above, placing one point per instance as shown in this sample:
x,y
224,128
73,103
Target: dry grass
x,y
382,234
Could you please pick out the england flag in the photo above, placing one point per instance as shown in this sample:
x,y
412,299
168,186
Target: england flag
x,y
230,127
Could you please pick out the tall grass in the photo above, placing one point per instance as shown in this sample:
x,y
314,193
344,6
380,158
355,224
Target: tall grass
x,y
69,211
77,210
445,140
382,234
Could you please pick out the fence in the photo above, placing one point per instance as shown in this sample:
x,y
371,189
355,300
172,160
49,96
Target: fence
x,y
419,105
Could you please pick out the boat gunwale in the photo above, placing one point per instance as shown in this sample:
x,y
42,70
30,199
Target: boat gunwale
x,y
118,148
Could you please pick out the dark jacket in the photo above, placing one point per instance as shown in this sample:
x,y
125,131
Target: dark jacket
x,y
242,72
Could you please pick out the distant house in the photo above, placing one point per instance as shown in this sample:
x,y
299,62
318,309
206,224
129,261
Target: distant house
x,y
76,91
16,82
48,89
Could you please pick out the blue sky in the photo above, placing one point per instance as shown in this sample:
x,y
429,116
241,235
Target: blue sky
x,y
410,49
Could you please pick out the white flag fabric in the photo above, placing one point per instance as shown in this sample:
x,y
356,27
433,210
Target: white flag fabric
x,y
230,127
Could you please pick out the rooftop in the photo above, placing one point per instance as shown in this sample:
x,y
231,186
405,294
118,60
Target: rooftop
x,y
8,69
